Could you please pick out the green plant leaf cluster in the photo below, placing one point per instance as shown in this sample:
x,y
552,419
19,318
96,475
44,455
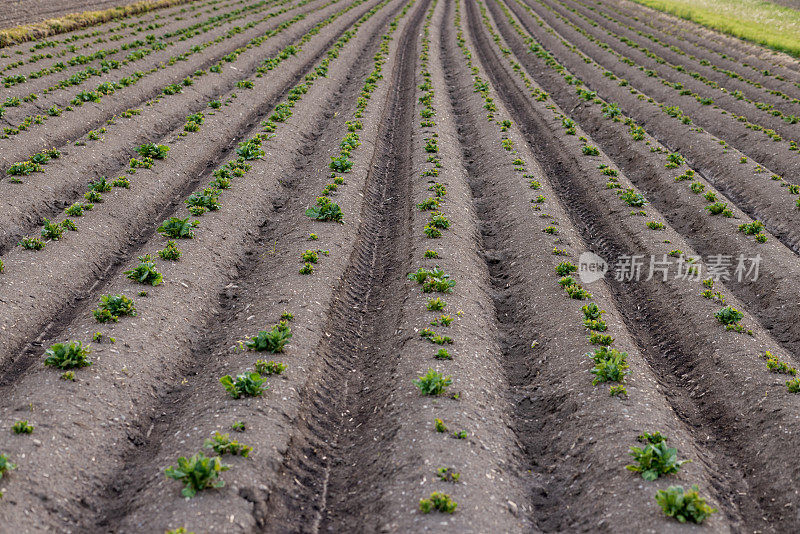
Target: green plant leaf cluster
x,y
244,385
112,307
326,210
433,383
685,506
67,355
223,444
145,272
441,502
271,340
655,460
197,473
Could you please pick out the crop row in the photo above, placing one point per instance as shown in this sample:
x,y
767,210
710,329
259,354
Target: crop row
x,y
708,43
140,48
208,199
633,199
142,312
434,281
773,116
726,315
673,112
111,87
125,31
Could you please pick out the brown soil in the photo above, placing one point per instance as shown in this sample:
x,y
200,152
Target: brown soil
x,y
342,439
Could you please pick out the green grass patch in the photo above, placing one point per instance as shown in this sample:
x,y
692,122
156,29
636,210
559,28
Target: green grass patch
x,y
761,22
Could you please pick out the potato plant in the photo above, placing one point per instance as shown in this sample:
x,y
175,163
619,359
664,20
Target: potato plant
x,y
729,316
197,473
272,341
433,280
447,474
442,354
22,427
438,501
145,272
52,231
610,365
31,243
655,460
244,385
170,252
439,426
632,198
433,383
76,209
776,365
267,368
326,210
250,150
112,307
222,444
685,506
68,355
152,151
205,200
101,185
177,228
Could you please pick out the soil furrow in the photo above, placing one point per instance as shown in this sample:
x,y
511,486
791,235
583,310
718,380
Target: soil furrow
x,y
701,367
189,166
702,60
44,71
686,211
73,125
721,119
163,337
363,317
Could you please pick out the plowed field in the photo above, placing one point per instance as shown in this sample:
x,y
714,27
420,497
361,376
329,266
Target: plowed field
x,y
398,266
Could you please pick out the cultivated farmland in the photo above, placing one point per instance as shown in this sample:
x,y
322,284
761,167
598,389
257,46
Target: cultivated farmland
x,y
326,266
